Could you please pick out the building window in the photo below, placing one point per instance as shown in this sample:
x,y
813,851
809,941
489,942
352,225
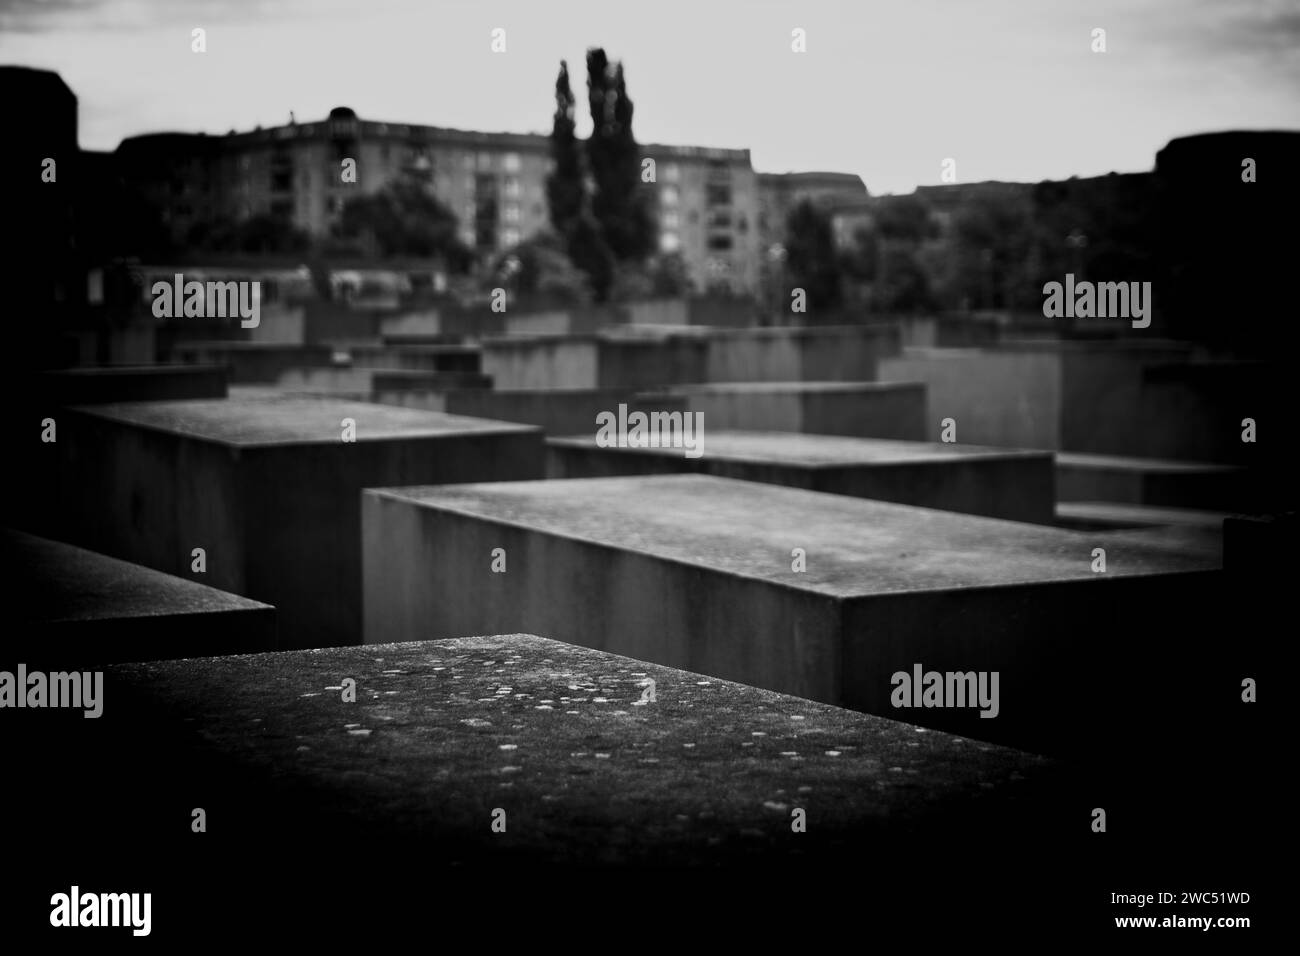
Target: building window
x,y
511,162
670,242
512,187
720,243
671,219
510,237
484,161
671,173
510,212
717,194
668,196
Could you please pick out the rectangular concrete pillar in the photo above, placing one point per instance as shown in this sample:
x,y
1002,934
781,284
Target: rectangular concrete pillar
x,y
69,607
823,596
602,361
862,409
997,482
831,353
586,763
269,489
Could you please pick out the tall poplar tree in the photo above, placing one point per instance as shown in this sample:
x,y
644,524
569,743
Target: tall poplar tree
x,y
619,202
564,186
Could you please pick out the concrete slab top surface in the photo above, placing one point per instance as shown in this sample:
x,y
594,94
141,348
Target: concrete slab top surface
x,y
557,733
262,419
1071,459
54,582
855,546
797,449
129,371
762,388
420,348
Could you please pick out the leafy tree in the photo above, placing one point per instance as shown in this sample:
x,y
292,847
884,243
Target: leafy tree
x,y
811,261
543,268
260,233
591,254
405,219
619,204
564,187
904,217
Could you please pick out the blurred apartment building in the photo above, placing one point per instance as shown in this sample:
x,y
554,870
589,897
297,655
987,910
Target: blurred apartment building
x,y
710,205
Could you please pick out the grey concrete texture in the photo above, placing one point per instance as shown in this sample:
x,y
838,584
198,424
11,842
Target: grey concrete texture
x,y
649,357
69,607
426,358
443,733
1155,481
252,363
268,487
1152,400
862,409
829,353
348,379
697,572
592,361
555,411
996,482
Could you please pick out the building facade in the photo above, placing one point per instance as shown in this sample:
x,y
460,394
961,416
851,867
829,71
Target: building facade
x,y
706,200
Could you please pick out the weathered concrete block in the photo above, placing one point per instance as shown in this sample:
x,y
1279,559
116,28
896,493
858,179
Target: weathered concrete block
x,y
702,572
361,381
424,358
256,362
713,311
555,411
821,354
69,607
998,482
864,409
594,361
268,488
1011,399
1124,398
445,735
1153,481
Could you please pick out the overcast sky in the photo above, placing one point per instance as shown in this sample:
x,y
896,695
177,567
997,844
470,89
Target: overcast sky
x,y
887,89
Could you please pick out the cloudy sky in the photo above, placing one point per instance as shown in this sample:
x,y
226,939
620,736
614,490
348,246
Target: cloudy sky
x,y
888,89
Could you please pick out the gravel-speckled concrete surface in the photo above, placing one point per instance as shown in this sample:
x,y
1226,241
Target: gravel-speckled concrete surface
x,y
442,733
